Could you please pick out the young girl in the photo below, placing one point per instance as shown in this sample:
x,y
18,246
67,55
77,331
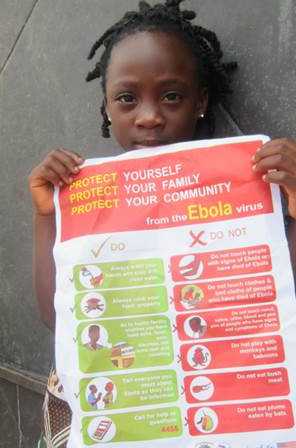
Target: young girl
x,y
161,77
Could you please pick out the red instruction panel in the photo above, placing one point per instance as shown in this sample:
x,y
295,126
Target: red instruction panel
x,y
229,322
248,384
221,263
229,292
262,416
232,353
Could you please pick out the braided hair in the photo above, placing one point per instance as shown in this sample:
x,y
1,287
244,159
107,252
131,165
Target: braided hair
x,y
214,75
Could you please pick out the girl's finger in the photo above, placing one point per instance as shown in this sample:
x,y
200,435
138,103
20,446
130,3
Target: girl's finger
x,y
279,146
281,178
58,167
52,176
74,155
66,160
281,162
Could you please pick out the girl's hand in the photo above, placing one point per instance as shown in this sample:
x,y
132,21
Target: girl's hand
x,y
276,160
58,168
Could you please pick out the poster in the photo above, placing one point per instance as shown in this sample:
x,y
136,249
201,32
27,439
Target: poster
x,y
175,301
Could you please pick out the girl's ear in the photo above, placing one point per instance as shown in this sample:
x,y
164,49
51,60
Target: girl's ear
x,y
107,112
202,103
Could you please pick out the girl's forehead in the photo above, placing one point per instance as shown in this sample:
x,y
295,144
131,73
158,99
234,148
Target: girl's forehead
x,y
153,50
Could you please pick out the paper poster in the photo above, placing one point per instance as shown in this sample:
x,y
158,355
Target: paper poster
x,y
175,301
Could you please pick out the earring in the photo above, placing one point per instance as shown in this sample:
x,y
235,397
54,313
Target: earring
x,y
202,116
109,119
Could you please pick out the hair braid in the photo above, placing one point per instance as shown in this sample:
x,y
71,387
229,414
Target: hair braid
x,y
144,7
213,74
106,123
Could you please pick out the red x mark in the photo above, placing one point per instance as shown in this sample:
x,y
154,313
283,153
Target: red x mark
x,y
196,238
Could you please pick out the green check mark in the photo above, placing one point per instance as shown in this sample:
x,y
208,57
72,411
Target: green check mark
x,y
97,252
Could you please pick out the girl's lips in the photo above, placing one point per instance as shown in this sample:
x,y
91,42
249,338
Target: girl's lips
x,y
148,143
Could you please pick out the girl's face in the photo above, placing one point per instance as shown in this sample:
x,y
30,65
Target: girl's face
x,y
152,94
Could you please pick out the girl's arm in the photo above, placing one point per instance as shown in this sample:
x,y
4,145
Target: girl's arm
x,y
276,160
56,169
44,267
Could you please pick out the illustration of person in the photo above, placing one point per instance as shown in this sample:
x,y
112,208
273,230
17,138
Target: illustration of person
x,y
198,327
92,398
94,336
108,397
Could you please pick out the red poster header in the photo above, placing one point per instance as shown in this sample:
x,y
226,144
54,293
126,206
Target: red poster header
x,y
165,190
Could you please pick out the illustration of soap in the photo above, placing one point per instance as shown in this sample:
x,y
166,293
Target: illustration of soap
x,y
122,355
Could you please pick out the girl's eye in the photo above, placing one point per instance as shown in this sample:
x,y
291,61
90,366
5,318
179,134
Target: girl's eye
x,y
172,97
126,98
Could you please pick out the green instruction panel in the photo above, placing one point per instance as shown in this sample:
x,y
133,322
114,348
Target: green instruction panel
x,y
118,344
121,302
123,391
161,423
120,274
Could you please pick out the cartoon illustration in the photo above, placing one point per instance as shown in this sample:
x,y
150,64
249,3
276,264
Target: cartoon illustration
x,y
93,305
100,393
202,388
93,397
108,397
191,296
94,337
91,276
122,355
206,420
102,429
199,357
195,327
190,267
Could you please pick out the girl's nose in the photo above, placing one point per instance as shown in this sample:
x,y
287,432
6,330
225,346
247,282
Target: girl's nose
x,y
149,116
